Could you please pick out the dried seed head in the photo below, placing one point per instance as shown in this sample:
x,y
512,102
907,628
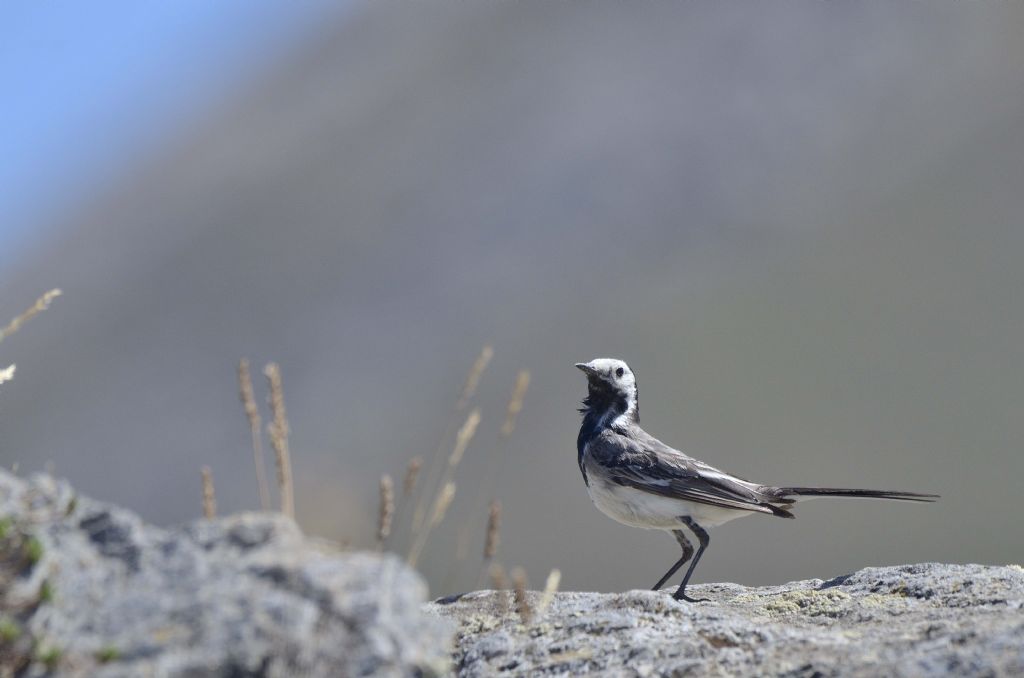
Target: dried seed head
x,y
473,378
278,431
387,507
412,474
444,500
515,403
252,413
245,392
464,436
493,523
273,373
42,303
550,587
209,495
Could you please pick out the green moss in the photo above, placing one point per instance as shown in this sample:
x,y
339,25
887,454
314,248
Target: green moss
x,y
46,592
5,527
50,656
33,550
107,654
10,630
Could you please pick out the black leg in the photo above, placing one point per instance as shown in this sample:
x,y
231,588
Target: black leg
x,y
704,539
687,552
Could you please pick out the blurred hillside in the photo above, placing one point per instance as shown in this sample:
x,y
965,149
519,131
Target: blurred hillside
x,y
800,224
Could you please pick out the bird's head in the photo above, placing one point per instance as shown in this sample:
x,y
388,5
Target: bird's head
x,y
611,386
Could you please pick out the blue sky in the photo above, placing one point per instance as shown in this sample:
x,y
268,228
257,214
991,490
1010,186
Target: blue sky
x,y
89,87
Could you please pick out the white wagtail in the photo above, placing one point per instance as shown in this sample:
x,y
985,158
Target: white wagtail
x,y
638,480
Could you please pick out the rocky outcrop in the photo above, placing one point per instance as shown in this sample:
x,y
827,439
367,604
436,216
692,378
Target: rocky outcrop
x,y
913,620
89,589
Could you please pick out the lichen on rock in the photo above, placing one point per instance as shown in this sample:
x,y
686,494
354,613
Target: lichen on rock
x,y
913,620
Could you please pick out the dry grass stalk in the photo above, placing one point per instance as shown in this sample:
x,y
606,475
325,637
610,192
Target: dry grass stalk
x,y
499,582
484,487
441,504
550,588
515,403
522,602
498,579
493,524
468,390
209,495
444,500
278,431
387,509
473,378
463,438
412,474
491,541
252,413
42,303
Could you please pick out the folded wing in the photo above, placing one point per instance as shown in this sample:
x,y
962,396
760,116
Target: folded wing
x,y
651,466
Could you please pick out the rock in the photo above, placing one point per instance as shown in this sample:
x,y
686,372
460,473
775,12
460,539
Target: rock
x,y
913,620
89,589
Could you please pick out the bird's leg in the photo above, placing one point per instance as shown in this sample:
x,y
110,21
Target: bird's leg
x,y
704,539
687,552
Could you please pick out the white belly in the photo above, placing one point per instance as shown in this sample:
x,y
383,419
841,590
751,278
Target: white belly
x,y
630,506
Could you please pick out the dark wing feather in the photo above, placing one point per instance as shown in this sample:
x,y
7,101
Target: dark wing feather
x,y
647,464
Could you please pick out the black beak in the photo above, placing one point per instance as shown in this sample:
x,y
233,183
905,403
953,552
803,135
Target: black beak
x,y
585,367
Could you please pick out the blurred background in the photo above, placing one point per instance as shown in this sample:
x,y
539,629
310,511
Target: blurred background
x,y
800,223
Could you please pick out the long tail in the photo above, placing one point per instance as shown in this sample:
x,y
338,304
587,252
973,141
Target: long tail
x,y
841,492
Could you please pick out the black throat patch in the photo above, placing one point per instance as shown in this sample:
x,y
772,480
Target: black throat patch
x,y
601,406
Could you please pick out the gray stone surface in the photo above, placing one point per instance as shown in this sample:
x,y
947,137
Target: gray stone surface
x,y
912,620
89,589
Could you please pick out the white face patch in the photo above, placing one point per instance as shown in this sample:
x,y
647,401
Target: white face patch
x,y
618,375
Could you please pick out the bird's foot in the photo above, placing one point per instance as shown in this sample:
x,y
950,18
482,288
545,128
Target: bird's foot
x,y
681,595
688,599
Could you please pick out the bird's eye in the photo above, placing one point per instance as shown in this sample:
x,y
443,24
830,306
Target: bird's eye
x,y
619,372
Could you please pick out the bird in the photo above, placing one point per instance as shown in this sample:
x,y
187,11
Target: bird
x,y
637,480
